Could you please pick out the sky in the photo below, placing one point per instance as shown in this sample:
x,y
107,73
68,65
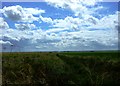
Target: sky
x,y
59,25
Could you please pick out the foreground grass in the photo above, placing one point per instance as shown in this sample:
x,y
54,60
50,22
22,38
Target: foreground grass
x,y
61,69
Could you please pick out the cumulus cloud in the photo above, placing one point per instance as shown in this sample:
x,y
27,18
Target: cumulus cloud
x,y
46,19
3,24
86,33
5,42
107,22
71,33
55,30
85,18
87,39
79,7
88,22
34,11
68,23
62,40
20,14
25,26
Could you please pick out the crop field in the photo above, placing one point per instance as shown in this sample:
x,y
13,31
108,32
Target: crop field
x,y
61,68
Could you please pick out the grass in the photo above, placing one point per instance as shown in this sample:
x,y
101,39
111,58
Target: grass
x,y
61,68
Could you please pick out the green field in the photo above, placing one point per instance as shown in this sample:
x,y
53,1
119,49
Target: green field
x,y
61,69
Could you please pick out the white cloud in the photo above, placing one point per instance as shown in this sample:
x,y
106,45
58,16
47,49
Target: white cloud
x,y
54,30
3,24
25,26
34,11
107,22
88,22
88,32
79,7
68,23
20,14
63,34
5,42
62,40
46,19
91,2
85,19
90,39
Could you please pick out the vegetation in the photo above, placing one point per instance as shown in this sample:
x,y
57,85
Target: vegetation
x,y
61,68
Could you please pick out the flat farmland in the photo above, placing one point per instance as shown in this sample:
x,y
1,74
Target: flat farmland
x,y
61,68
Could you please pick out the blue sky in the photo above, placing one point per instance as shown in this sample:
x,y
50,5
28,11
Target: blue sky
x,y
59,26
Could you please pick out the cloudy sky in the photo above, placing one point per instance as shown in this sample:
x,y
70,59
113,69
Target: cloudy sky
x,y
59,25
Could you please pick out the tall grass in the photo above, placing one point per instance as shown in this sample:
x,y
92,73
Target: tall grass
x,y
61,69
